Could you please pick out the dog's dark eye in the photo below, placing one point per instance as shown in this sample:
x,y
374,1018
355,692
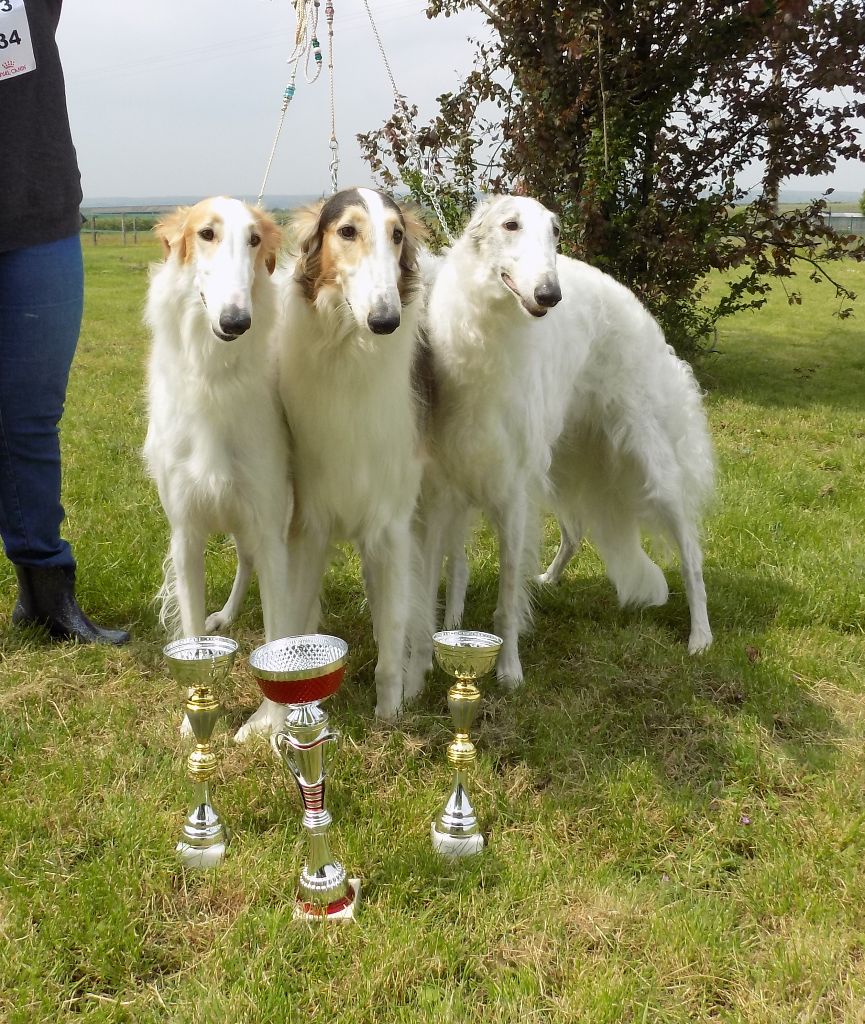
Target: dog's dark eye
x,y
254,240
397,236
347,231
511,225
206,234
556,230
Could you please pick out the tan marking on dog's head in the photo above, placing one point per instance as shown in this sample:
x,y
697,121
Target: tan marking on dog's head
x,y
271,238
179,229
334,235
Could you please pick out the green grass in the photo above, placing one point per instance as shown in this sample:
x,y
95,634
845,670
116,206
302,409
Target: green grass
x,y
672,839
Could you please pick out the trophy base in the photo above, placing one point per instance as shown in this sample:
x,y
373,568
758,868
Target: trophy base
x,y
201,857
455,846
341,910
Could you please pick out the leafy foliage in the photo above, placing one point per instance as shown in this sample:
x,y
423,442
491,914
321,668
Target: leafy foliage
x,y
641,123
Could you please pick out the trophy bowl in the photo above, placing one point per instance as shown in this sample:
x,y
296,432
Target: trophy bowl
x,y
300,669
200,660
466,653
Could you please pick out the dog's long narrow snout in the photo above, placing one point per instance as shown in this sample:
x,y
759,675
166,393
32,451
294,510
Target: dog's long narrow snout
x,y
234,321
548,293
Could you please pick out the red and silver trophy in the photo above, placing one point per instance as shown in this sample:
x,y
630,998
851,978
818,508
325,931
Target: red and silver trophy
x,y
300,672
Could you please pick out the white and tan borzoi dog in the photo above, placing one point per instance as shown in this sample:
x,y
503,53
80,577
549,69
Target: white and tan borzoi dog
x,y
348,353
582,409
217,443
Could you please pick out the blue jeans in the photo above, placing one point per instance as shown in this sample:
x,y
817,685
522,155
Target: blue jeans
x,y
41,299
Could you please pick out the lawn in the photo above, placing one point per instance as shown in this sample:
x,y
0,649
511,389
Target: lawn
x,y
672,839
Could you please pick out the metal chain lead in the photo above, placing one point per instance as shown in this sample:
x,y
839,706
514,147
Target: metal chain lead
x,y
306,45
429,183
334,144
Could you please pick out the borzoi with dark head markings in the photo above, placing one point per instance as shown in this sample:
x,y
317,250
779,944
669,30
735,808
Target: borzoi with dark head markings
x,y
555,389
349,351
217,443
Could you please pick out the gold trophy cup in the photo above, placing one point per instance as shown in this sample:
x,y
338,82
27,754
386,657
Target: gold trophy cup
x,y
466,655
300,672
202,664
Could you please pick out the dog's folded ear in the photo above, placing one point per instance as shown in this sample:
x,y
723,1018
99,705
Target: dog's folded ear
x,y
416,235
306,241
271,238
171,232
476,227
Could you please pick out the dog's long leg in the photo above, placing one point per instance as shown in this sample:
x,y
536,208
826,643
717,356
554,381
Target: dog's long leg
x,y
187,554
271,564
511,609
231,609
307,557
431,527
388,563
568,546
457,569
687,539
371,596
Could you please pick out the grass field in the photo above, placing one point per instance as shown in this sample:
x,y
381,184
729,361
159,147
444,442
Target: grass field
x,y
671,839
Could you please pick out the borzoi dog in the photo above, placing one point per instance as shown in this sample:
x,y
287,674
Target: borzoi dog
x,y
349,350
217,443
582,408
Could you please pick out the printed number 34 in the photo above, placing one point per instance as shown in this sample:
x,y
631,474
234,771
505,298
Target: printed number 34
x,y
13,38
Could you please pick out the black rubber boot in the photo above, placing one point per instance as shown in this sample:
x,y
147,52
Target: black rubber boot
x,y
46,597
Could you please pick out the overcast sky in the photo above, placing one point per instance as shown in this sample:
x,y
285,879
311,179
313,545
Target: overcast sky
x,y
181,97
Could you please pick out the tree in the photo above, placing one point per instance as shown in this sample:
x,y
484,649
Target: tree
x,y
641,123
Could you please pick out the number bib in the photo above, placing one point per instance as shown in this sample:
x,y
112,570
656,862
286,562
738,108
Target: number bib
x,y
16,45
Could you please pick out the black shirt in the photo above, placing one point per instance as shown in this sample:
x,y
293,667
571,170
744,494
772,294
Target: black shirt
x,y
40,185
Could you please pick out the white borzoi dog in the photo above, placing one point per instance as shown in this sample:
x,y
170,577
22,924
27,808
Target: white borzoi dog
x,y
582,408
217,442
349,351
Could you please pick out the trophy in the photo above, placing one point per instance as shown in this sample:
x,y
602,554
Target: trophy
x,y
202,664
467,655
300,672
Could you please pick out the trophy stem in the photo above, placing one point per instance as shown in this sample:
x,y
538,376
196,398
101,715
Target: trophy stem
x,y
204,836
456,831
324,890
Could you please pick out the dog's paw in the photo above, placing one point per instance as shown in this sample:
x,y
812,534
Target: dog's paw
x,y
548,578
509,672
415,681
388,710
700,640
266,721
217,621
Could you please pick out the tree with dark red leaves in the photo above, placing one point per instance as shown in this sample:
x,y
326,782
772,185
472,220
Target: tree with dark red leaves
x,y
661,133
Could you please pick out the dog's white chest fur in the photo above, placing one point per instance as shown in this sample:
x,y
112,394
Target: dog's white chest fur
x,y
353,422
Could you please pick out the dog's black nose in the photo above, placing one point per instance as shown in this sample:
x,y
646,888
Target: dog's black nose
x,y
234,321
385,322
548,294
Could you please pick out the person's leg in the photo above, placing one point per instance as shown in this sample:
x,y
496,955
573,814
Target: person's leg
x,y
41,297
41,294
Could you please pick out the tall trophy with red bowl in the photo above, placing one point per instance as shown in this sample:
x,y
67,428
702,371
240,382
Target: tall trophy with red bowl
x,y
300,672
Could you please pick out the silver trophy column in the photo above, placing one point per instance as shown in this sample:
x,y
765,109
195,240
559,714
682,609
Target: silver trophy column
x,y
300,672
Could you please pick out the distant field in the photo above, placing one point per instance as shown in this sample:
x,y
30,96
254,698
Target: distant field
x,y
672,839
